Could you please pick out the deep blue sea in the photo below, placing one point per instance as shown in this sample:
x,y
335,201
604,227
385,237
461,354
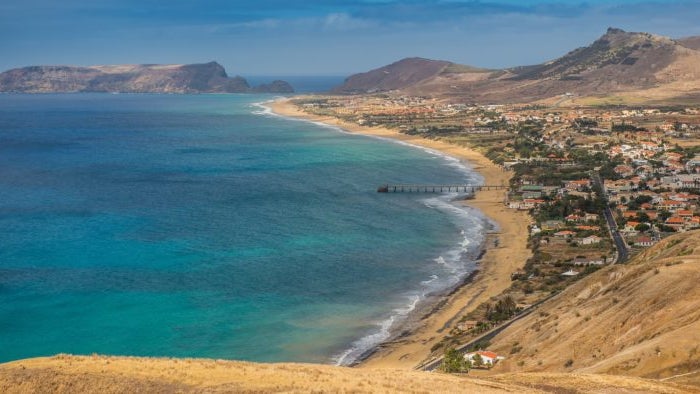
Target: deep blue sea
x,y
203,226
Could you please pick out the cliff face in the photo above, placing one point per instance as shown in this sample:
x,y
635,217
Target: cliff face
x,y
190,78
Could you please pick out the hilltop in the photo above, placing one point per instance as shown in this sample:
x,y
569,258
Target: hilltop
x,y
171,78
638,319
403,74
619,62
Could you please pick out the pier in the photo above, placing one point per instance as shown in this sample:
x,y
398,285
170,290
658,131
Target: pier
x,y
399,188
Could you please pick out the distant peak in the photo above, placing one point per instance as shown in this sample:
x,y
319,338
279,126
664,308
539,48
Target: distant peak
x,y
417,59
614,30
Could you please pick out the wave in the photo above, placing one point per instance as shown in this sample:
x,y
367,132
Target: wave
x,y
364,344
450,267
264,109
461,166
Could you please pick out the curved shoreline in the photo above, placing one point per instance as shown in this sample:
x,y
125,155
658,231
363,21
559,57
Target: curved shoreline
x,y
499,259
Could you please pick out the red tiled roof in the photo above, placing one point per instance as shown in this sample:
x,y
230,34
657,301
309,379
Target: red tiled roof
x,y
672,202
488,354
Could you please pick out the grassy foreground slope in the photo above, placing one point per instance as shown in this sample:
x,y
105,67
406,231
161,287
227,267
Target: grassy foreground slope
x,y
102,374
638,319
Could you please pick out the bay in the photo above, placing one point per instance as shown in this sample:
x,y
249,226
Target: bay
x,y
201,226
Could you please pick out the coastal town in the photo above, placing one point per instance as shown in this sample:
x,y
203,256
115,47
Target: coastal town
x,y
646,157
600,183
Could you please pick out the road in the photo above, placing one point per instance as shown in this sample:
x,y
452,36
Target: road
x,y
620,245
622,256
435,364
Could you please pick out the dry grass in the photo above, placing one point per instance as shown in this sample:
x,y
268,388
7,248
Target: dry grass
x,y
103,374
640,319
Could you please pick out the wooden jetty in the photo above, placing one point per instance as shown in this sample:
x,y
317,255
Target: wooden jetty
x,y
399,188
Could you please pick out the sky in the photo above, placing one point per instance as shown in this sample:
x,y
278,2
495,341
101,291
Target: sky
x,y
313,37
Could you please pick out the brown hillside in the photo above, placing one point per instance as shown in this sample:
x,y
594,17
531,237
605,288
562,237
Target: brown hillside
x,y
618,61
398,75
690,42
638,319
642,65
101,374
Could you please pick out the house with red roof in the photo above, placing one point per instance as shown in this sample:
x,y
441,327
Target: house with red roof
x,y
629,214
671,205
644,241
583,227
675,222
488,359
684,214
564,234
694,222
574,218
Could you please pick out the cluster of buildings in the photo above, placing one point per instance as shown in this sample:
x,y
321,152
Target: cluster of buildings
x,y
639,139
657,191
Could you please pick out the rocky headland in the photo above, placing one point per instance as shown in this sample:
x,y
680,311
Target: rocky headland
x,y
144,78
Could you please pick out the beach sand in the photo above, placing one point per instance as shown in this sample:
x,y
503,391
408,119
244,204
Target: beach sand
x,y
498,262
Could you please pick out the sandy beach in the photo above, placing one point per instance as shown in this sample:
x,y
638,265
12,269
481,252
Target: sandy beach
x,y
498,262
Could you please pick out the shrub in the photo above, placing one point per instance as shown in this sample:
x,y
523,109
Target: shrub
x,y
454,362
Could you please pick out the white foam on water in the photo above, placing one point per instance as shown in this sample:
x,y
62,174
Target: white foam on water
x,y
461,166
451,266
362,345
264,109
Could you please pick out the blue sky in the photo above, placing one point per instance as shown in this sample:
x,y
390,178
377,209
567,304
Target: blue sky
x,y
336,37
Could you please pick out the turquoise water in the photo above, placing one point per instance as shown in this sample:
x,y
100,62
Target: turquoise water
x,y
202,226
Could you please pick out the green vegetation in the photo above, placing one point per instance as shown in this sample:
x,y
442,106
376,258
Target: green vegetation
x,y
454,362
504,309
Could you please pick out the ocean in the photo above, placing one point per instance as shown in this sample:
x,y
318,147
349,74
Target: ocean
x,y
204,226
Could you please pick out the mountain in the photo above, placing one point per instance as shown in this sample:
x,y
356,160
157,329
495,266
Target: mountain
x,y
618,62
614,53
189,78
104,375
638,319
399,75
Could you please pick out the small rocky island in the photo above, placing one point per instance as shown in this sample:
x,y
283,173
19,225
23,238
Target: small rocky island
x,y
143,78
